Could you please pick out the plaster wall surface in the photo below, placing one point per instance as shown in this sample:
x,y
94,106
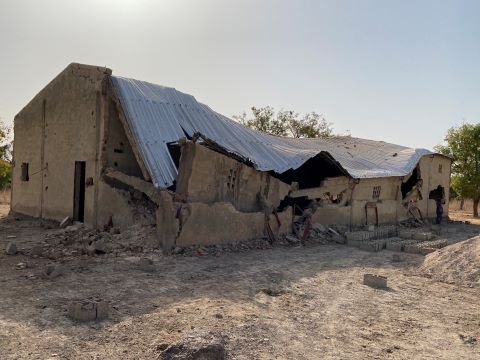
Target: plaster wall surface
x,y
28,128
356,194
434,170
438,173
334,186
114,206
209,177
63,122
331,214
120,155
221,222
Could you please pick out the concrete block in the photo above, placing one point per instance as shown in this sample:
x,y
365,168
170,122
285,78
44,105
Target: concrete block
x,y
370,246
411,249
11,249
82,311
102,310
396,258
394,246
423,236
375,281
405,234
88,311
353,243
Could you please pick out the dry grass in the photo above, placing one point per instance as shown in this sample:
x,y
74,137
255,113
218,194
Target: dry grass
x,y
455,205
5,196
455,213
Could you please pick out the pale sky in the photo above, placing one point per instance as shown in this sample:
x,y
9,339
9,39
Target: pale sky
x,y
399,71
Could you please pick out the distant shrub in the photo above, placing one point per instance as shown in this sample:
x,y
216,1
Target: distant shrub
x,y
5,174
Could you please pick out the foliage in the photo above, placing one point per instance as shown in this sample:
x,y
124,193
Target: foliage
x,y
5,156
453,194
462,143
287,123
5,174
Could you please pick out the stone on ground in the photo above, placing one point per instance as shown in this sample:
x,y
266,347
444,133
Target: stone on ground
x,y
65,222
375,281
11,249
207,347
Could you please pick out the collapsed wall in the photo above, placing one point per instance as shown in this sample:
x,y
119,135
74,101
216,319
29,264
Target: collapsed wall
x,y
347,201
217,200
77,123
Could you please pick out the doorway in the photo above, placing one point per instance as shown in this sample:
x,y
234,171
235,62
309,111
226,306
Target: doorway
x,y
437,194
79,192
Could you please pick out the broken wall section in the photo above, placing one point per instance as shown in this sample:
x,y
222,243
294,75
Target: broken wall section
x,y
435,170
119,151
206,176
347,201
216,201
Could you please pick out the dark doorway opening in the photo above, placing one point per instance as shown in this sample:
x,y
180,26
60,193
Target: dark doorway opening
x,y
407,186
79,191
313,171
437,194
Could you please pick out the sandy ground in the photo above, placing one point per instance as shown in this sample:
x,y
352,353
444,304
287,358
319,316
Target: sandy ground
x,y
318,307
464,215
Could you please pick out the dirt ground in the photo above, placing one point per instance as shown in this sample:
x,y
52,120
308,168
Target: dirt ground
x,y
280,303
464,215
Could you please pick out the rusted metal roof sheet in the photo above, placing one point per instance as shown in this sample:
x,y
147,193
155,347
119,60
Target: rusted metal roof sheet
x,y
159,115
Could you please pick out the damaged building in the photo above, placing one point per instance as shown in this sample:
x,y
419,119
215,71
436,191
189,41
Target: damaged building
x,y
111,151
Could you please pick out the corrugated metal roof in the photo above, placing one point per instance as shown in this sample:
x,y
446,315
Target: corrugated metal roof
x,y
159,115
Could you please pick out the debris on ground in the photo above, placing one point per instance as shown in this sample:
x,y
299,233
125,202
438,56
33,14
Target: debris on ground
x,y
65,222
21,266
375,281
37,251
210,346
52,271
458,263
84,311
146,264
77,240
273,303
396,258
468,339
11,249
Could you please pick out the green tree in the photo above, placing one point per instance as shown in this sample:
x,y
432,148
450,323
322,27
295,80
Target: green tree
x,y
462,143
5,174
5,156
287,123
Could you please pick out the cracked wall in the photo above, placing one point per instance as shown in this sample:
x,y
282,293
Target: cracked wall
x,y
207,176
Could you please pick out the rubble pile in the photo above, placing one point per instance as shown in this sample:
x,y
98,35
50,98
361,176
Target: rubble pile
x,y
195,346
318,235
458,263
77,240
